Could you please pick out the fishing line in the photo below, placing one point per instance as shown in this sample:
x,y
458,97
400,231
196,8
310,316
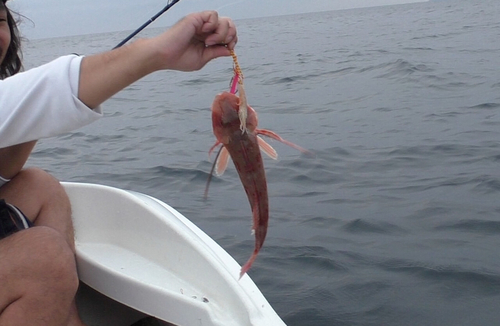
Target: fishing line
x,y
230,4
205,196
169,5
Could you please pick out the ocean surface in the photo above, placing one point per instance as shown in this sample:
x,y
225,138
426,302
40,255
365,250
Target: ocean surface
x,y
394,221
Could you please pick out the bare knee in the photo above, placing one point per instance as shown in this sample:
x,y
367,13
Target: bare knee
x,y
37,193
39,276
38,179
42,263
53,260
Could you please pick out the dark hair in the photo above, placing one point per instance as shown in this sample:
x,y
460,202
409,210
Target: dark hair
x,y
11,64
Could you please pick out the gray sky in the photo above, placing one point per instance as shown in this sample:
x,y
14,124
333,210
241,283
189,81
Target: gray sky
x,y
52,18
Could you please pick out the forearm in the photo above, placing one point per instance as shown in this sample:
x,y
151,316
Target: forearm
x,y
187,46
105,74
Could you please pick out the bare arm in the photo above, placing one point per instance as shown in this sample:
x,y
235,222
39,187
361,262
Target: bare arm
x,y
13,158
188,45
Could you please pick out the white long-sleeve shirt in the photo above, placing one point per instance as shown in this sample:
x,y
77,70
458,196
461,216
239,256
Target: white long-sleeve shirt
x,y
42,102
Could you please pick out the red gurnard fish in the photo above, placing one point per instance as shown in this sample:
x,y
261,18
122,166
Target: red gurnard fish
x,y
242,145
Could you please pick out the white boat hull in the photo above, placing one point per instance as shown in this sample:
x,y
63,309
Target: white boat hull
x,y
148,259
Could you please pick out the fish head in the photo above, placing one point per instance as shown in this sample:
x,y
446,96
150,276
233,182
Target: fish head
x,y
225,119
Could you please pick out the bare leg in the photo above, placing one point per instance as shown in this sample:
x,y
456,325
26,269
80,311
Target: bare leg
x,y
38,277
44,201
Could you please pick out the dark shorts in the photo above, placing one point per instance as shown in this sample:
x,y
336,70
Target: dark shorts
x,y
11,219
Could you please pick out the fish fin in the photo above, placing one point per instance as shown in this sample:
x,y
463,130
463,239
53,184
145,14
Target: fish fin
x,y
222,161
205,195
275,136
266,148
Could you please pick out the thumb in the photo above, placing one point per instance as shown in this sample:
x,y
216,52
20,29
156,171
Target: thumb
x,y
215,51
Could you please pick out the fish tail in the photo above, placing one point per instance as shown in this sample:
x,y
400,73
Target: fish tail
x,y
249,263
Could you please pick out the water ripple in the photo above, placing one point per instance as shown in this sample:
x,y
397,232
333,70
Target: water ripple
x,y
452,280
484,227
360,226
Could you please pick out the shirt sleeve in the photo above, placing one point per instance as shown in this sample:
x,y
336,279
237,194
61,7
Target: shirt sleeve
x,y
42,102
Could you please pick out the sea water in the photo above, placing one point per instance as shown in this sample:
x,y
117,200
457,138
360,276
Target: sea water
x,y
394,221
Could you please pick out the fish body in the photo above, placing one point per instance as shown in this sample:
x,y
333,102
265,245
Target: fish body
x,y
244,148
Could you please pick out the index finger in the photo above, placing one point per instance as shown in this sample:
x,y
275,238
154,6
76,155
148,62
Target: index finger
x,y
210,21
225,33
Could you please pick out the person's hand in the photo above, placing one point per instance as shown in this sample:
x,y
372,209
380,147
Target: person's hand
x,y
187,46
195,40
